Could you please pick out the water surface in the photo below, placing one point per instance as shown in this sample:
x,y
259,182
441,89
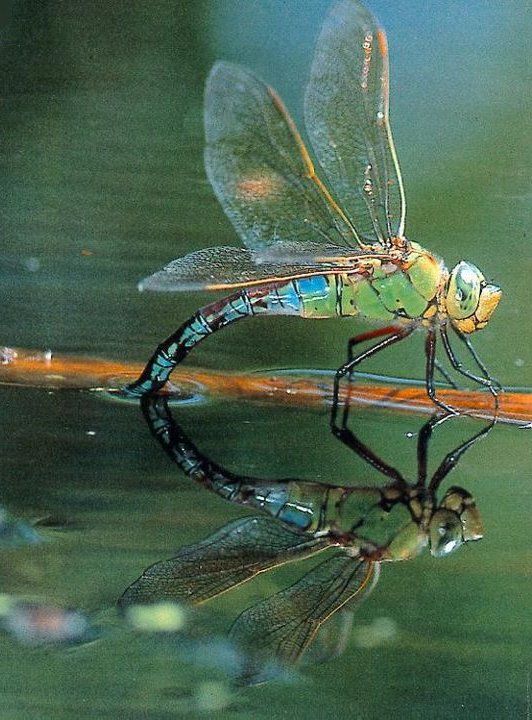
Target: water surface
x,y
102,183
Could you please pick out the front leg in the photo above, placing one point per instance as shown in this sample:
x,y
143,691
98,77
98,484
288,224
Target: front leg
x,y
430,355
486,380
389,330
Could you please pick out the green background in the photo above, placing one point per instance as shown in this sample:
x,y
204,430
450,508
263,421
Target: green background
x,y
102,182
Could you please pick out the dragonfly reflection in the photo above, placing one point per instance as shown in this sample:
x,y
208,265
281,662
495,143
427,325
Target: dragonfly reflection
x,y
367,526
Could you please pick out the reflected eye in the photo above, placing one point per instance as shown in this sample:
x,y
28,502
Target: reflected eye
x,y
445,533
463,291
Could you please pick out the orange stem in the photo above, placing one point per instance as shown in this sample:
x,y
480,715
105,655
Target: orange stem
x,y
38,369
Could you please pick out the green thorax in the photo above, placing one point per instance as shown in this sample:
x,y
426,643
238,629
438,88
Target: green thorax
x,y
401,284
388,521
405,286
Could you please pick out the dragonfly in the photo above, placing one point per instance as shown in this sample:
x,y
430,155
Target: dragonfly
x,y
366,525
323,238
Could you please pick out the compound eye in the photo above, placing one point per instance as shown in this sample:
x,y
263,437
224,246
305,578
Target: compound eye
x,y
464,289
445,533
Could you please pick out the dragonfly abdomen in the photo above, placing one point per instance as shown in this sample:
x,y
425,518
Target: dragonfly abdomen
x,y
305,506
175,348
376,290
307,297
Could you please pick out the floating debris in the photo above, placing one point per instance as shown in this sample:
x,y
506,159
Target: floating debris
x,y
381,631
163,617
212,695
7,355
33,623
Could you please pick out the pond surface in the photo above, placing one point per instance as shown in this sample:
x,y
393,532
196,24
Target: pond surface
x,y
103,183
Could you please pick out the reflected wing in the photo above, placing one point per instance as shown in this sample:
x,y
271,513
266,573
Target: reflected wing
x,y
285,624
227,267
332,637
347,119
260,169
234,554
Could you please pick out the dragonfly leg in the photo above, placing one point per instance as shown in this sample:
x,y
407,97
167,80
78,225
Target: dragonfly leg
x,y
451,459
486,380
430,355
483,369
370,335
394,335
348,438
424,437
446,376
357,340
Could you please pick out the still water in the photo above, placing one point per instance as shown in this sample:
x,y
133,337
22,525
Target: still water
x,y
102,183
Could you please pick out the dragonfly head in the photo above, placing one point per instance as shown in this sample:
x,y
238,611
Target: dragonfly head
x,y
469,299
455,522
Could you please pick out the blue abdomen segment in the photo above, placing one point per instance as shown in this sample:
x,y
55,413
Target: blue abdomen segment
x,y
307,297
175,348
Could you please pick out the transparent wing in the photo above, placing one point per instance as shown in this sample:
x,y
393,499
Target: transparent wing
x,y
225,267
260,169
332,637
285,624
347,119
234,554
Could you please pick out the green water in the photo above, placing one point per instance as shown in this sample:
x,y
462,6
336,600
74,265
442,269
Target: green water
x,y
102,182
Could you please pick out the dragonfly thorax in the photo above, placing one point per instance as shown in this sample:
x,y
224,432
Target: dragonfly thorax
x,y
469,300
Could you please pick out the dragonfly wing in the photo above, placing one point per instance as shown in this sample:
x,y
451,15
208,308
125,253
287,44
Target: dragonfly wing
x,y
331,638
347,119
225,267
259,167
285,624
234,554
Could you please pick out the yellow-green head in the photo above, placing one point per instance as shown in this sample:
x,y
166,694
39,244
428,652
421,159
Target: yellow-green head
x,y
455,522
470,300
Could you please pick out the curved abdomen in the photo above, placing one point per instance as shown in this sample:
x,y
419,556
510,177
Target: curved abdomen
x,y
307,297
